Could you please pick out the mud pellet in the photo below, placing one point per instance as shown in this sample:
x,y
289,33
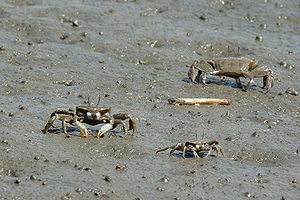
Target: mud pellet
x,y
44,183
32,177
11,114
18,181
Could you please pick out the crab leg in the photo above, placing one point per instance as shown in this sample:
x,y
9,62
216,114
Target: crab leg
x,y
81,127
176,147
63,123
50,122
61,115
238,82
118,119
194,152
221,150
104,129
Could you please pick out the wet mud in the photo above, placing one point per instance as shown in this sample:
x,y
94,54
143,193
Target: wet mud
x,y
134,54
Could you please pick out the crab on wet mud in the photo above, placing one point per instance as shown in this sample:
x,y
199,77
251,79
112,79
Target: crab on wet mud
x,y
197,148
232,67
91,115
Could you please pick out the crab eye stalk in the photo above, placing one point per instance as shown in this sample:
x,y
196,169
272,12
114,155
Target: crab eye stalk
x,y
98,116
89,115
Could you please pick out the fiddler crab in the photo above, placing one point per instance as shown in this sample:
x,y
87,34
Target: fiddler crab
x,y
91,115
232,67
196,147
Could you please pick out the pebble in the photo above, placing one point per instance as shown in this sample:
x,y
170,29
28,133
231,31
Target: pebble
x,y
87,169
32,177
121,167
107,179
259,38
4,142
36,158
255,134
204,18
263,26
44,183
18,181
65,198
247,194
232,138
160,189
21,107
75,23
11,114
79,190
291,91
165,179
294,181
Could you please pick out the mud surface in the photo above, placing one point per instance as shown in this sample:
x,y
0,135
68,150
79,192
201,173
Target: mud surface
x,y
53,54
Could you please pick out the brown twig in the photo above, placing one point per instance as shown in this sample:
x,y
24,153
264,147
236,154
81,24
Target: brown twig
x,y
194,101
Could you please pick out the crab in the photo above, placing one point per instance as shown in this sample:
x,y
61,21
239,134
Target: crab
x,y
232,67
91,115
196,147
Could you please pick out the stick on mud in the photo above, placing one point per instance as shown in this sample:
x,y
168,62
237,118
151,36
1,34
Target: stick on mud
x,y
194,101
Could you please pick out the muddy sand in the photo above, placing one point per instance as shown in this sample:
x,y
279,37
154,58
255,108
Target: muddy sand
x,y
54,54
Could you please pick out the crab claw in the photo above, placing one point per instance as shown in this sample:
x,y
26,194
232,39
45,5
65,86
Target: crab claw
x,y
192,73
268,80
119,119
